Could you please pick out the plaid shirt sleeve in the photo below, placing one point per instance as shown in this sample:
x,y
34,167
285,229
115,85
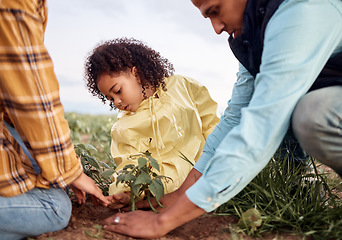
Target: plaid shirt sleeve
x,y
29,99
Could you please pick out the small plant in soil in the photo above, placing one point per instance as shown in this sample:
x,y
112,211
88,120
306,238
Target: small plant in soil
x,y
143,180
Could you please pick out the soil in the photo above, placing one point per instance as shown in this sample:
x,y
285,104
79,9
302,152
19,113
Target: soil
x,y
86,218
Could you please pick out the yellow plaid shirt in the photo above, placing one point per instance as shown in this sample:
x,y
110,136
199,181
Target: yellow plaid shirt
x,y
29,100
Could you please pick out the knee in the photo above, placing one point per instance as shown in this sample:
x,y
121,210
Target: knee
x,y
304,123
63,220
316,123
63,213
59,212
315,127
307,126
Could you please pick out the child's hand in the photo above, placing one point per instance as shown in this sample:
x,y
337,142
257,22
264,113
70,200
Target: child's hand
x,y
119,200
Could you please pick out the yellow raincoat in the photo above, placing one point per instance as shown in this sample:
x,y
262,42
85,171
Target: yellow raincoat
x,y
169,122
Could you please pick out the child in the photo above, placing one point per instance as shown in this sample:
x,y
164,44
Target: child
x,y
160,112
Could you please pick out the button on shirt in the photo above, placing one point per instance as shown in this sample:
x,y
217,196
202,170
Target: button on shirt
x,y
299,39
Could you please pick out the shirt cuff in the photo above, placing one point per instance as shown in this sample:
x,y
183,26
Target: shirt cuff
x,y
209,196
202,195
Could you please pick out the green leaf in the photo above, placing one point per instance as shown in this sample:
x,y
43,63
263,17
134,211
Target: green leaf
x,y
104,164
153,163
92,161
80,148
120,178
250,219
107,173
83,163
143,178
99,227
77,150
89,146
129,177
157,188
111,161
135,190
147,153
94,235
142,162
129,166
163,176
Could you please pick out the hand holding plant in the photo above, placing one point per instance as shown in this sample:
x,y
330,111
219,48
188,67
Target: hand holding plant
x,y
97,170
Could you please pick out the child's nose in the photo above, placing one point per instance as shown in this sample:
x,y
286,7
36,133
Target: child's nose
x,y
117,101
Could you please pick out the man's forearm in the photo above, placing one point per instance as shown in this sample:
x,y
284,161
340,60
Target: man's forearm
x,y
182,211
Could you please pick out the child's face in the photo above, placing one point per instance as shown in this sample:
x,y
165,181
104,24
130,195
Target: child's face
x,y
124,90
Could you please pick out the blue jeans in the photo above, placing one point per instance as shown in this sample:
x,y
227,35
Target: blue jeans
x,y
317,124
33,213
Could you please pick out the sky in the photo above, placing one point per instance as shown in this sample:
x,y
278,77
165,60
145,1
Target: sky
x,y
175,28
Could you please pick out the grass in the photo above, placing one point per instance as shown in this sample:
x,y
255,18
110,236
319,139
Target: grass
x,y
290,201
287,199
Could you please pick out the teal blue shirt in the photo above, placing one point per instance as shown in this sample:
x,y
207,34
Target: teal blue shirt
x,y
299,39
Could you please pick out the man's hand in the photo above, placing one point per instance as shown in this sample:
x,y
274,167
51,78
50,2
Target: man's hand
x,y
147,224
84,184
140,224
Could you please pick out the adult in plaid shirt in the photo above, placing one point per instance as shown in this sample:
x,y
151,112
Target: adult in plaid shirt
x,y
33,201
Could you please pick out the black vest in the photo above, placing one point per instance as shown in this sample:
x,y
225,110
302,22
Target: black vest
x,y
248,47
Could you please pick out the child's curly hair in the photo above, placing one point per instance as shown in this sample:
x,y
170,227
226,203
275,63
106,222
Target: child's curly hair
x,y
122,54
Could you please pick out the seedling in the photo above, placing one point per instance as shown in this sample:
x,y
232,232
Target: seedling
x,y
142,179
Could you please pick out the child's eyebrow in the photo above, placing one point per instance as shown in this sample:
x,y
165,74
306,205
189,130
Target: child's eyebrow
x,y
112,87
110,90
